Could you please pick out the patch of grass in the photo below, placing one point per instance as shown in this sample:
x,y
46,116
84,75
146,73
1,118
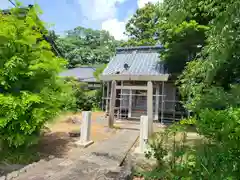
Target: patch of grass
x,y
116,127
137,173
154,174
20,155
61,117
96,109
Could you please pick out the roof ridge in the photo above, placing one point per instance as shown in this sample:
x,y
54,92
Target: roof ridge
x,y
139,48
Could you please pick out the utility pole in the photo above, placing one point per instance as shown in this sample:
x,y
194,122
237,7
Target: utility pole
x,y
12,3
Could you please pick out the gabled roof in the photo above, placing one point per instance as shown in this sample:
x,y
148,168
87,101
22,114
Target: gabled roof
x,y
84,74
136,61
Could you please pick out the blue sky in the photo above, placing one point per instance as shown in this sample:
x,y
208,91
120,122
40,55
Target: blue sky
x,y
110,15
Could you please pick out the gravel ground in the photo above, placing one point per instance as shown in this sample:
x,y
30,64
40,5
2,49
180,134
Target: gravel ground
x,y
100,161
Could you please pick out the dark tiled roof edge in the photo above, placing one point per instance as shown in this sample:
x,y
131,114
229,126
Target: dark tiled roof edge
x,y
139,48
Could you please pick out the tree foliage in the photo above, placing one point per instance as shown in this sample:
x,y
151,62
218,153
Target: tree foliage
x,y
52,35
182,33
201,40
99,71
218,67
141,28
30,91
86,100
83,46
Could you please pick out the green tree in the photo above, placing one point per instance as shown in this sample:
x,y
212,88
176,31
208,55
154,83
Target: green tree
x,y
141,28
210,84
218,66
181,34
182,31
83,46
99,71
30,91
52,35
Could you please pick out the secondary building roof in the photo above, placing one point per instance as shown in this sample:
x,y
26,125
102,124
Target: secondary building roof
x,y
136,63
84,74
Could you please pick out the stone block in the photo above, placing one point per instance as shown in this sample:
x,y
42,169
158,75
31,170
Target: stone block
x,y
12,175
83,144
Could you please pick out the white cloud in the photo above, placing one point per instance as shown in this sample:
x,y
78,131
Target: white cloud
x,y
115,28
105,12
99,9
142,3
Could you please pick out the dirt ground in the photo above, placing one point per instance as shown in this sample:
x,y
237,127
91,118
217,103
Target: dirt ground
x,y
65,130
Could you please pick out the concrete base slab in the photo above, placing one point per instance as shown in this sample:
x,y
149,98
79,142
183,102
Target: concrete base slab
x,y
84,144
137,150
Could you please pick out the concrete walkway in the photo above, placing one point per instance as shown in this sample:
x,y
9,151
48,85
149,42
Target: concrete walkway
x,y
100,161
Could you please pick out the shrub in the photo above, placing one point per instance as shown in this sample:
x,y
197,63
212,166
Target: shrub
x,y
30,91
214,157
168,148
86,100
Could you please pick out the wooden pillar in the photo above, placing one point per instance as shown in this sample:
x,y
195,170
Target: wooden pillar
x,y
112,105
103,95
157,102
107,98
121,97
130,104
150,106
162,106
174,103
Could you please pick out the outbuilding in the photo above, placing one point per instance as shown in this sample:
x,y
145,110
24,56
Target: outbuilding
x,y
136,82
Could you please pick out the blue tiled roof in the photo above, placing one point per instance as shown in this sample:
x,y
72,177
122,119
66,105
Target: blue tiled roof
x,y
85,74
140,60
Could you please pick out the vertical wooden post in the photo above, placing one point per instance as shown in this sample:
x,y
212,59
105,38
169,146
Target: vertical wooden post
x,y
112,105
130,104
103,95
150,107
121,97
107,98
174,103
157,102
162,106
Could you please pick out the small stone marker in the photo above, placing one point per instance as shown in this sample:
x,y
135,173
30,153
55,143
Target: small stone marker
x,y
143,138
85,130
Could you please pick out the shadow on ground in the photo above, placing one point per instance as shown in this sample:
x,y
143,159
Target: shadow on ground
x,y
55,144
51,145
